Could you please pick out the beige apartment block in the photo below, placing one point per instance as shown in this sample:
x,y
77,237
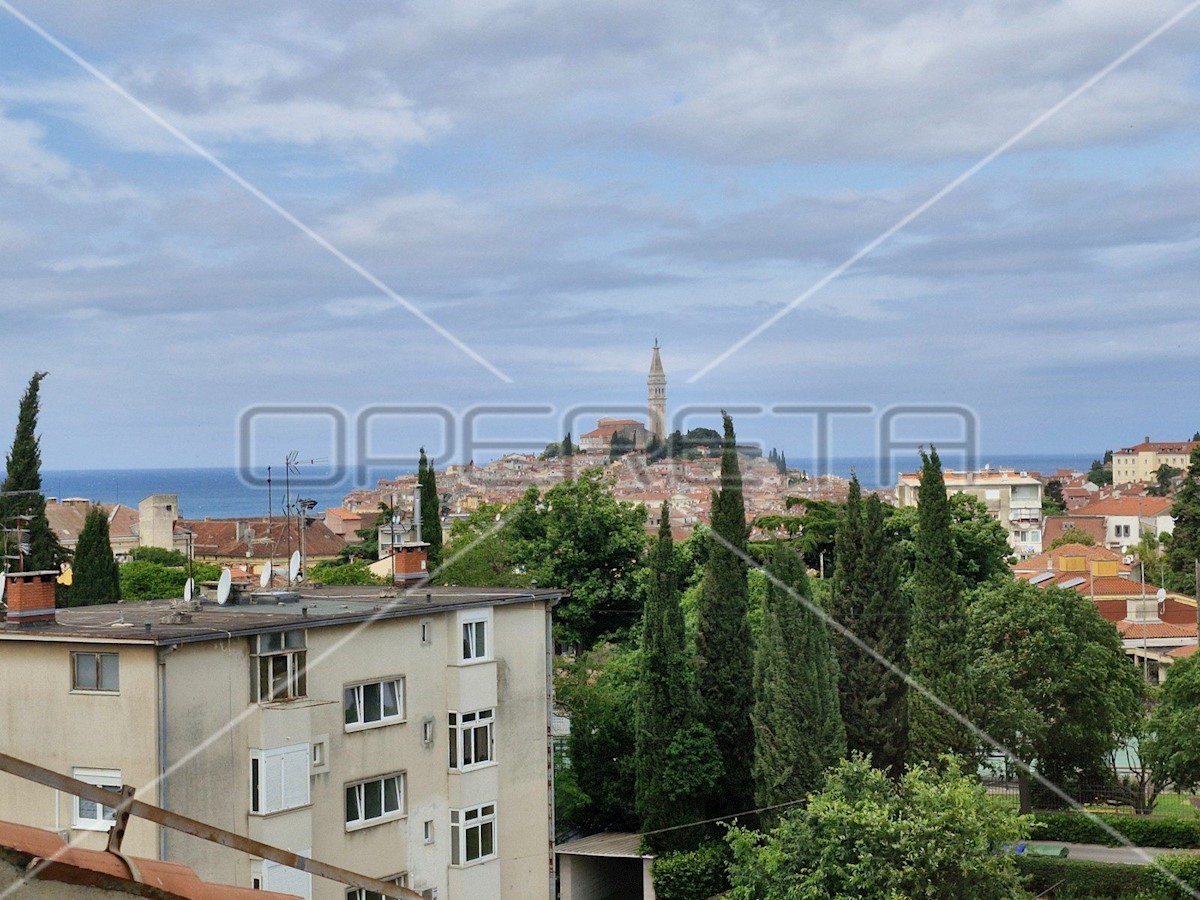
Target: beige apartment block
x,y
1014,499
401,736
1141,461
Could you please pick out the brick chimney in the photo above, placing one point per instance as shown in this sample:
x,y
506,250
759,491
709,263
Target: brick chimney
x,y
30,597
411,562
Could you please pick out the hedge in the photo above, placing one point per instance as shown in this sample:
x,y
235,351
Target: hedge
x,y
1184,867
1083,878
1142,831
693,875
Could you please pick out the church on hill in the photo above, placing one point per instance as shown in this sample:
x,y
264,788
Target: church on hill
x,y
635,433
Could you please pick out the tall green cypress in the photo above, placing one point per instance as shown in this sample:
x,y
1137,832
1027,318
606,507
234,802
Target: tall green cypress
x,y
677,759
798,731
96,575
939,658
868,601
725,657
431,513
20,494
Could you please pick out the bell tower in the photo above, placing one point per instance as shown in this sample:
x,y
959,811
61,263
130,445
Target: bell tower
x,y
656,396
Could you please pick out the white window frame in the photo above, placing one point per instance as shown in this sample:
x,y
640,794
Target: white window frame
x,y
362,787
463,740
354,697
105,816
98,664
260,760
472,626
426,632
293,651
463,822
400,880
428,831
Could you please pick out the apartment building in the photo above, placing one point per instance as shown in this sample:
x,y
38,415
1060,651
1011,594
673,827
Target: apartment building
x,y
400,735
1141,461
1013,498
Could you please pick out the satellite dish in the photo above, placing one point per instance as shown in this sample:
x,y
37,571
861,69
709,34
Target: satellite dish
x,y
1161,595
294,565
188,587
265,578
224,585
3,584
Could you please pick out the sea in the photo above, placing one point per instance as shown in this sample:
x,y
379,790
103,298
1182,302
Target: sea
x,y
224,492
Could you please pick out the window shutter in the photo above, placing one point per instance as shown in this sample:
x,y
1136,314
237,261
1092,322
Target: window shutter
x,y
287,881
295,775
272,781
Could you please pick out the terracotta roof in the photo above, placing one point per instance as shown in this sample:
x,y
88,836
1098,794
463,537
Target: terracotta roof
x,y
66,518
1160,447
100,869
339,513
1136,630
1049,561
223,538
1126,506
1183,652
1172,611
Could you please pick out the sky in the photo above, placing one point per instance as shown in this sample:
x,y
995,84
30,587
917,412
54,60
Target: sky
x,y
212,210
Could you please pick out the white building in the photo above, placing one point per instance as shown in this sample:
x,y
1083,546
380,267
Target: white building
x,y
1013,498
404,738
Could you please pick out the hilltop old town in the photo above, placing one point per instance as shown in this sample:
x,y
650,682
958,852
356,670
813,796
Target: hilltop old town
x,y
636,664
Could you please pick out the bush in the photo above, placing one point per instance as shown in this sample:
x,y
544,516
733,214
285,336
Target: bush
x,y
1082,878
158,555
349,573
1184,867
693,875
1175,834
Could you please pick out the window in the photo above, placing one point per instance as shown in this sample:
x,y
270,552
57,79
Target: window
x,y
471,740
95,672
281,659
374,703
320,755
429,831
426,631
472,834
279,778
88,814
474,636
377,800
364,894
427,732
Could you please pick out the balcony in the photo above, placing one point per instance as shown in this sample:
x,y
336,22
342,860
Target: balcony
x,y
1025,514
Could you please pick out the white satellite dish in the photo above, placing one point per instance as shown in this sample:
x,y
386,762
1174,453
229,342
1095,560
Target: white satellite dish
x,y
3,584
294,565
265,578
224,585
1161,595
188,587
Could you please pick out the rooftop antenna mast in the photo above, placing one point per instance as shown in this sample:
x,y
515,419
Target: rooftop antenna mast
x,y
298,506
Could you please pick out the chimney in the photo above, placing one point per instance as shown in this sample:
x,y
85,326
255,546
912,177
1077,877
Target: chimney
x,y
416,529
30,597
1142,610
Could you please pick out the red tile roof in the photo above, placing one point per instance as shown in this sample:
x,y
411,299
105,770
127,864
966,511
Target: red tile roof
x,y
1183,652
98,868
231,538
1160,447
1049,561
1126,506
1137,630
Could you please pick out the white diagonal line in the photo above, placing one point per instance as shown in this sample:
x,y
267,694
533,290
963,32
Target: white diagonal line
x,y
251,189
953,185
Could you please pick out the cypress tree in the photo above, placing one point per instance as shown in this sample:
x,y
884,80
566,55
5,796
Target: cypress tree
x,y
868,601
20,494
568,449
431,513
939,657
96,575
725,659
676,757
798,731
1184,549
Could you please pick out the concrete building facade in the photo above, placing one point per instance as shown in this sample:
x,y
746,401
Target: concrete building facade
x,y
1141,461
1014,499
403,737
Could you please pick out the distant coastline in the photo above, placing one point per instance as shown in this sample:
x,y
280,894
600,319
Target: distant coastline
x,y
219,492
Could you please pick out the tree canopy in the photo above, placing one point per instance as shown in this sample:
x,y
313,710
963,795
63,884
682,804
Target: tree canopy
x,y
1173,748
935,835
1072,535
981,548
95,574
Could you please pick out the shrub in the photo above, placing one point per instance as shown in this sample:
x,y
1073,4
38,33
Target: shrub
x,y
1175,834
158,555
1083,878
349,573
692,875
1184,867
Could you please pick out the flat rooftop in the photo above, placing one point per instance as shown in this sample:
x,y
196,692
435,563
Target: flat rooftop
x,y
174,621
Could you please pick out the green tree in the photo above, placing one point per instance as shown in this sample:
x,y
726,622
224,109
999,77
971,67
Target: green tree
x,y
678,763
1185,540
818,539
724,655
480,551
95,574
431,513
158,555
619,445
981,548
1173,748
798,731
1054,684
1164,475
151,581
344,573
868,601
567,448
933,835
939,658
1052,500
1072,535
598,690
580,538
22,504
